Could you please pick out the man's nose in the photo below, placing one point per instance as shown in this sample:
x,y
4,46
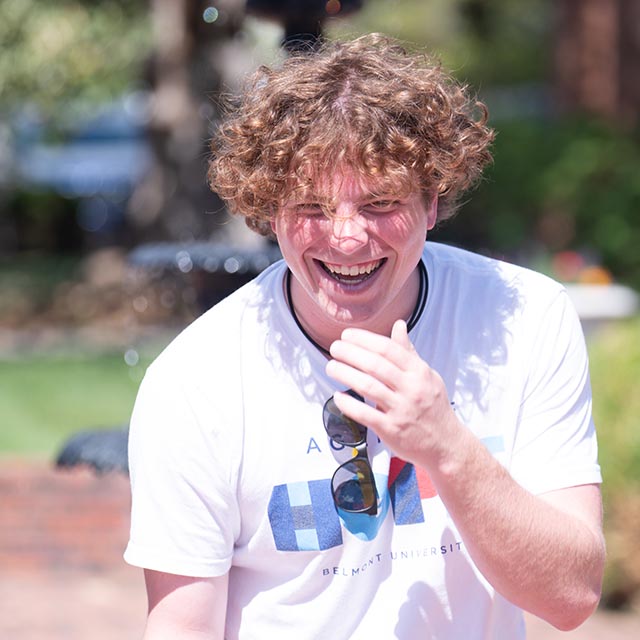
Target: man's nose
x,y
348,231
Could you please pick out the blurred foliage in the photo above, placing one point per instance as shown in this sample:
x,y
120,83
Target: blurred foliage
x,y
483,41
70,52
40,219
32,280
557,185
615,362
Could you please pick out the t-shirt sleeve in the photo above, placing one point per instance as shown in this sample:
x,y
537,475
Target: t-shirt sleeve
x,y
555,445
184,516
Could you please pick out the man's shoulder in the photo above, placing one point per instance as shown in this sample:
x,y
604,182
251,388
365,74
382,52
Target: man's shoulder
x,y
493,288
455,261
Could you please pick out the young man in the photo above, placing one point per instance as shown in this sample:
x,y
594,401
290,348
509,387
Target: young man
x,y
377,437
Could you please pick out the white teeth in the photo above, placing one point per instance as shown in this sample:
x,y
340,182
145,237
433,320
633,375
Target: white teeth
x,y
354,270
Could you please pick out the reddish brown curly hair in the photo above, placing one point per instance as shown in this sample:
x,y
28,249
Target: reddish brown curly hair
x,y
392,117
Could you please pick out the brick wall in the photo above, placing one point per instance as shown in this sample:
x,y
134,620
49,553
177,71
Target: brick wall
x,y
61,519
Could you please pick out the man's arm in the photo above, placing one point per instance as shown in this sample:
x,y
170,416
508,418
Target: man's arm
x,y
543,553
184,608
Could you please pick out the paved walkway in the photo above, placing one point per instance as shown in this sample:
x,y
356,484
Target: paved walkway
x,y
62,576
72,606
604,625
111,606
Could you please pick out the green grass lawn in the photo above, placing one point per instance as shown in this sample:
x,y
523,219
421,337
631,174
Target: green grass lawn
x,y
45,399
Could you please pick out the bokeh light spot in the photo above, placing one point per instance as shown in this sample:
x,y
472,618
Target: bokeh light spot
x,y
210,14
231,265
131,357
333,7
184,262
140,304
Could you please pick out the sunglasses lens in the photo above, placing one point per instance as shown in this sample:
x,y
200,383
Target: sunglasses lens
x,y
354,488
340,428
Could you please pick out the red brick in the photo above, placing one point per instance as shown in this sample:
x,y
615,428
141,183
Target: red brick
x,y
61,518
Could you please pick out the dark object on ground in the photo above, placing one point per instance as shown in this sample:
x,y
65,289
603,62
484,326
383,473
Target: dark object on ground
x,y
102,450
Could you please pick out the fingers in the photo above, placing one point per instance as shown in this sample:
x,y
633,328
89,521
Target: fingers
x,y
394,351
369,386
373,365
359,411
364,360
399,334
406,401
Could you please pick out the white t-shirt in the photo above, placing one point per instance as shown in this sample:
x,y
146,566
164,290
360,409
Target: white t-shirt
x,y
231,465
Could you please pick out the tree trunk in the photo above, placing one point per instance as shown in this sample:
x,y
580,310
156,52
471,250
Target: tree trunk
x,y
597,58
173,202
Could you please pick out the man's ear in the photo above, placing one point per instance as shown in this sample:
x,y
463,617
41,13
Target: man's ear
x,y
432,211
272,223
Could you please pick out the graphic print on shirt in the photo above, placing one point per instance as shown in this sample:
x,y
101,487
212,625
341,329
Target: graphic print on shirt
x,y
303,517
408,486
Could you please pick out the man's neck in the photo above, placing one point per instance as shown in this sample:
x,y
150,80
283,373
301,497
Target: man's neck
x,y
322,330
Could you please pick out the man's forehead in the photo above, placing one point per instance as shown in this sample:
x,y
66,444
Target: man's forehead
x,y
343,184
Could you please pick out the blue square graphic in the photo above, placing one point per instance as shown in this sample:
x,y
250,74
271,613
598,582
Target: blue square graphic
x,y
303,518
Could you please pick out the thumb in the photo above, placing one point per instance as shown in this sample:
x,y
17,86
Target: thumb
x,y
399,334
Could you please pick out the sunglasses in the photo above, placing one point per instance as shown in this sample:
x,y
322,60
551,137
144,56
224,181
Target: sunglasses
x,y
353,485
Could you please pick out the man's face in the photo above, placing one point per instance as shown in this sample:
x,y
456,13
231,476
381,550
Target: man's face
x,y
355,266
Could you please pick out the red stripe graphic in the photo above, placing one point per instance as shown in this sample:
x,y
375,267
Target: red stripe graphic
x,y
425,486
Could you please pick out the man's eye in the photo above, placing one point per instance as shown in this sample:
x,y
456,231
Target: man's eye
x,y
309,209
382,205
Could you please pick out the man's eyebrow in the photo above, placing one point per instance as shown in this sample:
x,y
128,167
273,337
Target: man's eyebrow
x,y
310,200
306,196
381,197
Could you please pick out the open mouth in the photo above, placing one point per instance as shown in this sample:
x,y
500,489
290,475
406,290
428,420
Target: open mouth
x,y
354,274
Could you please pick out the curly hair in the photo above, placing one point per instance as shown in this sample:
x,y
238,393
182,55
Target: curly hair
x,y
393,118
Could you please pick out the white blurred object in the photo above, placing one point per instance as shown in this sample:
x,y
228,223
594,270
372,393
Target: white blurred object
x,y
603,301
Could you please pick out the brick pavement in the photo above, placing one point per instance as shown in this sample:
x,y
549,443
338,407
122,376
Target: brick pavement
x,y
110,605
51,519
62,534
72,605
62,576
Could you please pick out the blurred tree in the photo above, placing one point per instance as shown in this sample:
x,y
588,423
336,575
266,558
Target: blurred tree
x,y
485,42
64,58
185,75
60,56
78,52
597,58
59,61
557,185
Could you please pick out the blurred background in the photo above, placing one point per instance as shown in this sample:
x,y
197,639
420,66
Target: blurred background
x,y
111,242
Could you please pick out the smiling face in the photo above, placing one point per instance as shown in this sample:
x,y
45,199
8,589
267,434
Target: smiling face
x,y
353,261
